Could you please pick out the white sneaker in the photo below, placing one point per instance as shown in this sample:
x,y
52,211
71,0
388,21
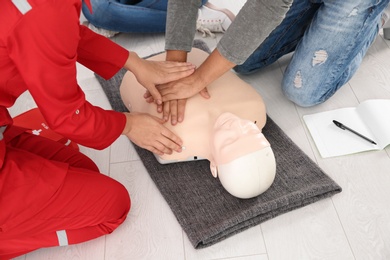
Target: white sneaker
x,y
212,19
101,31
385,18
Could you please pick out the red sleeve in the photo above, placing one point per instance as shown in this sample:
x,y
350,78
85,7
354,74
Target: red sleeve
x,y
108,62
44,46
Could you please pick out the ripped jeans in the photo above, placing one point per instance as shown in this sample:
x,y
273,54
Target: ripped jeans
x,y
330,39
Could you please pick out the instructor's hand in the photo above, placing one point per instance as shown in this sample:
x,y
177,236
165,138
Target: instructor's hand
x,y
152,73
183,88
148,132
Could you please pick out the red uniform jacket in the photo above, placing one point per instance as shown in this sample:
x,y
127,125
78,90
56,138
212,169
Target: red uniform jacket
x,y
40,43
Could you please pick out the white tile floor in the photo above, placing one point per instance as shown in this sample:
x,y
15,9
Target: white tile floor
x,y
354,224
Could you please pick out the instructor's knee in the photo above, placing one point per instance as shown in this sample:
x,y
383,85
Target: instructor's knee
x,y
117,209
123,199
120,201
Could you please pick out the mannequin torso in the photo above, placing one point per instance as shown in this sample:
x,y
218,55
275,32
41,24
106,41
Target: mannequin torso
x,y
228,94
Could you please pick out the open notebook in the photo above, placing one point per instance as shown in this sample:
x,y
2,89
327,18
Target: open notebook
x,y
370,118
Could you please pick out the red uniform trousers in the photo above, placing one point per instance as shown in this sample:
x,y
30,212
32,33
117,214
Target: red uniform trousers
x,y
53,195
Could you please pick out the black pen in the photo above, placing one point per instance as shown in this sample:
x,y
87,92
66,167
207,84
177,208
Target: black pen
x,y
340,125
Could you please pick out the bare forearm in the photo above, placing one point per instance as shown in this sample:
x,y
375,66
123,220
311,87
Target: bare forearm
x,y
176,55
213,67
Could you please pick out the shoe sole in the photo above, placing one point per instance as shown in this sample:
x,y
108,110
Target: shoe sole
x,y
228,13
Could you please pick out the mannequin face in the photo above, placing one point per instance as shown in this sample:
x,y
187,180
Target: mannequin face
x,y
242,157
235,137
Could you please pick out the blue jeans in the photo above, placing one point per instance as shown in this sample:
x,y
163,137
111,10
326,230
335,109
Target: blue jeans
x,y
129,16
330,39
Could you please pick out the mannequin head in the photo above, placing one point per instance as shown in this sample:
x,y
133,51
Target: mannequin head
x,y
242,157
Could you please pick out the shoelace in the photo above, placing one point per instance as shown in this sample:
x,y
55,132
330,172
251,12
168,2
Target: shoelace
x,y
207,27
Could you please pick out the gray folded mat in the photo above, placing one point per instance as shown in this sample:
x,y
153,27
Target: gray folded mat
x,y
208,213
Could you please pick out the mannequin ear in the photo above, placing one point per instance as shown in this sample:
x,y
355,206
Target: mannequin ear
x,y
214,169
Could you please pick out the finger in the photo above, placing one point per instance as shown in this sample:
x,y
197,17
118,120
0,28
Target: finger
x,y
166,111
168,97
147,94
150,100
148,97
181,106
154,150
172,141
161,147
181,67
155,94
205,93
174,65
177,75
173,109
160,108
158,146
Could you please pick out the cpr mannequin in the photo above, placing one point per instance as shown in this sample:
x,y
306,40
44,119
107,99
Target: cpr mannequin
x,y
225,129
